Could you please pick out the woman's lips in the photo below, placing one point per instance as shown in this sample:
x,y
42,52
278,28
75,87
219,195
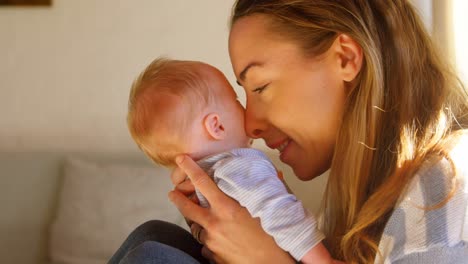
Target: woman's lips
x,y
281,146
284,150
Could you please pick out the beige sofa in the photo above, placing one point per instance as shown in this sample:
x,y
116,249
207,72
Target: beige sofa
x,y
55,206
78,207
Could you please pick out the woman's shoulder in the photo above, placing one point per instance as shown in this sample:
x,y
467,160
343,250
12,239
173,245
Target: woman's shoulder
x,y
431,215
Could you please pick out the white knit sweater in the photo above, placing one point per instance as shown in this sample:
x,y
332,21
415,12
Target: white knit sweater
x,y
415,234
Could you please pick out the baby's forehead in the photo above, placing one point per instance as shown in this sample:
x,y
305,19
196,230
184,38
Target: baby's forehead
x,y
218,82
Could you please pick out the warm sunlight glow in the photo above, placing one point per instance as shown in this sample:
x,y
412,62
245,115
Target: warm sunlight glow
x,y
458,155
460,22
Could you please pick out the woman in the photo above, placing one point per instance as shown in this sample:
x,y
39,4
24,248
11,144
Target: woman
x,y
355,87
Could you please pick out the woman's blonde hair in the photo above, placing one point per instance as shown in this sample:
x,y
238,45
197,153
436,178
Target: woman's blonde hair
x,y
405,104
150,106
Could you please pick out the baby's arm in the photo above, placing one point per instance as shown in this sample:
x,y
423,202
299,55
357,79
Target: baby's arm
x,y
253,182
317,255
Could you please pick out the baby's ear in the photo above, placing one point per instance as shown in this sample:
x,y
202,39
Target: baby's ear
x,y
214,127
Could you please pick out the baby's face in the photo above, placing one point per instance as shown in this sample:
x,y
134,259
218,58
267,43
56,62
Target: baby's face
x,y
232,114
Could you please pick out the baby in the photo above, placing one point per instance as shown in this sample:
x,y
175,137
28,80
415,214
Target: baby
x,y
189,107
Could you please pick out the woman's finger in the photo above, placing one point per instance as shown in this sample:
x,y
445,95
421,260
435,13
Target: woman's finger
x,y
200,179
208,254
188,208
188,221
178,176
197,232
186,187
194,198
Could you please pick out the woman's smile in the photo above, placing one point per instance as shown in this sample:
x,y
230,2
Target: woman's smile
x,y
304,131
282,146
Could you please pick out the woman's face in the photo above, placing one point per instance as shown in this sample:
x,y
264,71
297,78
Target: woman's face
x,y
294,102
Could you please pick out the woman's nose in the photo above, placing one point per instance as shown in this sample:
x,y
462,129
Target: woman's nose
x,y
255,126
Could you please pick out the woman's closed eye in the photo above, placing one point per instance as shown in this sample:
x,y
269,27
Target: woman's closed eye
x,y
259,90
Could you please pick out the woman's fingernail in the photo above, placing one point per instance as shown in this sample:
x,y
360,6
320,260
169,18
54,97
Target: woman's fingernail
x,y
179,159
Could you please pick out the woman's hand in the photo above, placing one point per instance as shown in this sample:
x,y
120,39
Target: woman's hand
x,y
183,184
230,234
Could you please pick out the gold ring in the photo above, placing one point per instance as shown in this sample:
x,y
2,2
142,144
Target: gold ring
x,y
196,235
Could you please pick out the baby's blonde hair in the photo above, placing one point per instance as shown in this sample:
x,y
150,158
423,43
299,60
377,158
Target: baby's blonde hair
x,y
168,95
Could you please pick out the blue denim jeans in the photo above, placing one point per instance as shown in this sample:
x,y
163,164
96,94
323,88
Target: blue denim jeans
x,y
157,242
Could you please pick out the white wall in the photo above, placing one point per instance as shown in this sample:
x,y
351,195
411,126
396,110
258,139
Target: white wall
x,y
66,70
424,8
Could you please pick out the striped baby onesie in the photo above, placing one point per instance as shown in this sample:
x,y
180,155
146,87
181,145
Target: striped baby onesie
x,y
416,235
248,176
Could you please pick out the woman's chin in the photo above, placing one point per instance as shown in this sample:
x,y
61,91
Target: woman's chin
x,y
307,174
303,175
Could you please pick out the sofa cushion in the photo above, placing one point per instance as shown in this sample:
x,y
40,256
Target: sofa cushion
x,y
28,193
101,203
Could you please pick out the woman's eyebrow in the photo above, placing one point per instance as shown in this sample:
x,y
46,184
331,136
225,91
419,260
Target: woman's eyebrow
x,y
243,73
